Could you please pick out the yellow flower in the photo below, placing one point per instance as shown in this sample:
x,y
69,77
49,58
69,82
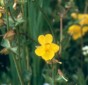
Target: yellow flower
x,y
79,16
76,31
83,18
74,15
47,49
85,29
84,21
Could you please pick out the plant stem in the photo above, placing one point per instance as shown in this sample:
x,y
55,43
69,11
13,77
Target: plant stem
x,y
7,19
46,18
11,14
17,69
81,46
61,32
27,61
19,52
86,6
53,76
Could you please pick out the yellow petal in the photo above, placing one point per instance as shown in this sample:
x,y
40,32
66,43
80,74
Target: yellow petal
x,y
75,37
48,38
79,16
84,21
39,50
74,29
55,47
48,55
41,39
85,29
74,15
82,16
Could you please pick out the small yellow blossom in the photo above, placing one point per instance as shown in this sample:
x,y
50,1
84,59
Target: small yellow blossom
x,y
47,49
85,29
84,21
79,16
76,31
83,18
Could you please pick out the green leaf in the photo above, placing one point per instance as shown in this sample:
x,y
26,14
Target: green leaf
x,y
14,49
11,22
27,75
48,79
19,21
5,43
59,78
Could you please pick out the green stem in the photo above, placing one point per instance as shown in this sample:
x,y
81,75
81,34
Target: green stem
x,y
19,52
45,17
17,69
86,6
81,46
53,76
34,58
27,61
11,14
7,19
61,32
22,6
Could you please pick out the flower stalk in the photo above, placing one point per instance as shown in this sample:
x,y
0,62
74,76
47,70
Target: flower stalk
x,y
61,32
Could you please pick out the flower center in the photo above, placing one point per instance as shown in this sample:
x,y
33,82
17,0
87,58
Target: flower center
x,y
47,47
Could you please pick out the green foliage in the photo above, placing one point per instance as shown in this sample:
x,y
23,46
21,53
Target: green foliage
x,y
30,19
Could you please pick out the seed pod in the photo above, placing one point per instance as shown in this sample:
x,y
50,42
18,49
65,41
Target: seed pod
x,y
9,35
4,51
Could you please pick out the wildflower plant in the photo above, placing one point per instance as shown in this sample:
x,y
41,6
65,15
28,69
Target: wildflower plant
x,y
41,39
47,49
77,31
